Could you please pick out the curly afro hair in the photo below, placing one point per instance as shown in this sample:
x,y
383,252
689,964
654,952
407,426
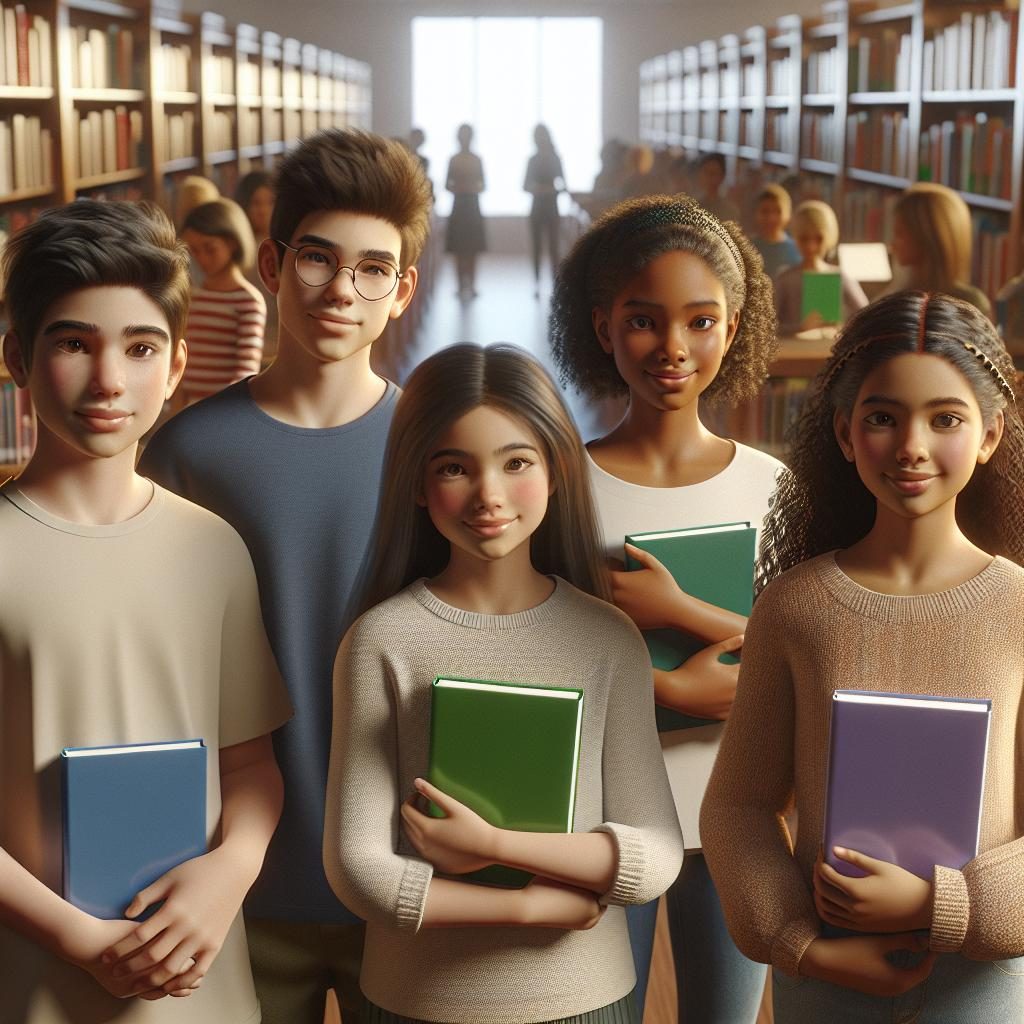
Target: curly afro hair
x,y
618,246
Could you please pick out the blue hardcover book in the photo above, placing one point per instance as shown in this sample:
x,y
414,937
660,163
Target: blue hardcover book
x,y
131,813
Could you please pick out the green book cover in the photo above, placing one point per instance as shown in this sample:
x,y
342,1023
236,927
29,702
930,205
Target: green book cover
x,y
511,753
714,563
822,293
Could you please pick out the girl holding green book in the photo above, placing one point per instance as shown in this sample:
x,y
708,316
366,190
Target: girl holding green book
x,y
487,567
666,304
893,550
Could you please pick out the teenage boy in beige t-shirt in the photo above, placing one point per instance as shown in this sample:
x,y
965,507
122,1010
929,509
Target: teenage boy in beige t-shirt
x,y
127,615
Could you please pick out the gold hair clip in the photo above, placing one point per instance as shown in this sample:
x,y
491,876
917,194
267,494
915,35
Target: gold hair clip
x,y
991,367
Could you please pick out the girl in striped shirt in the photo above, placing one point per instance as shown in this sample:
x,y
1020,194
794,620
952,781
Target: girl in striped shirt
x,y
227,314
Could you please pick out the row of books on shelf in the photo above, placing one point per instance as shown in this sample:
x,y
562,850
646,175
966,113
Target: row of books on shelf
x,y
109,140
780,76
778,131
818,137
976,52
220,74
180,135
26,154
990,254
822,70
17,424
878,140
26,51
972,154
881,63
173,70
104,59
222,131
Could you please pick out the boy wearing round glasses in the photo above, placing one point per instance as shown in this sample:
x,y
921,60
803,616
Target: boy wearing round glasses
x,y
275,455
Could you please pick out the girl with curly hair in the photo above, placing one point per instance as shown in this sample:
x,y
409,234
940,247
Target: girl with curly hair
x,y
663,302
889,561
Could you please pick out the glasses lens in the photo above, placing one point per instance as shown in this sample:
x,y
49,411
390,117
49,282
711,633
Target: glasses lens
x,y
375,278
315,266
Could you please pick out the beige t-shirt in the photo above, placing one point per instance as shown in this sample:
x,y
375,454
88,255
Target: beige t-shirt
x,y
136,632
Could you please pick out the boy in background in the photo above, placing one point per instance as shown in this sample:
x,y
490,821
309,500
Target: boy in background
x,y
127,615
292,459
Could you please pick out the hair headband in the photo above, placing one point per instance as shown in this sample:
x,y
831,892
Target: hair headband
x,y
985,361
683,212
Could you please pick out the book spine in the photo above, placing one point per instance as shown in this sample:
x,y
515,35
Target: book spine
x,y
21,27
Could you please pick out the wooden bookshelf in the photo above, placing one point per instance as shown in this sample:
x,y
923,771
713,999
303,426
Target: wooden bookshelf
x,y
863,99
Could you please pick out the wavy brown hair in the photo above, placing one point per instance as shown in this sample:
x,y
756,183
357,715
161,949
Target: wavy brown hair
x,y
821,504
442,389
616,248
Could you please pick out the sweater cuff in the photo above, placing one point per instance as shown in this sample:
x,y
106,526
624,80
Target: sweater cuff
x,y
630,867
951,910
412,894
792,942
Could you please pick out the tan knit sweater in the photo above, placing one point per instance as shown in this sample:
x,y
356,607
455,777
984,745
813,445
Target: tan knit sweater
x,y
814,631
380,744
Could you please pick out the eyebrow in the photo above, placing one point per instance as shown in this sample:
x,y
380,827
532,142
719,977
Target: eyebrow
x,y
886,400
686,305
132,331
503,450
364,254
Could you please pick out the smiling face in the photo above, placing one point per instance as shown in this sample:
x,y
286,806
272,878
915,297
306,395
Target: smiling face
x,y
916,434
486,485
331,322
668,330
103,364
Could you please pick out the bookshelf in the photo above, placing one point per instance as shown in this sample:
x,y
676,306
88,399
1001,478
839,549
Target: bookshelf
x,y
860,101
121,100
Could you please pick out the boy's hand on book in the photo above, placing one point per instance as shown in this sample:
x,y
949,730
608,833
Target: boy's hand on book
x,y
461,841
175,948
862,962
551,904
85,948
887,899
648,595
702,685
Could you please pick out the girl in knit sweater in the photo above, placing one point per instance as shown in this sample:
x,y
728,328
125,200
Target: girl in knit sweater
x,y
892,551
487,567
662,302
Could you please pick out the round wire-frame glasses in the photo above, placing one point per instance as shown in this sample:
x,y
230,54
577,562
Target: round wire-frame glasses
x,y
316,266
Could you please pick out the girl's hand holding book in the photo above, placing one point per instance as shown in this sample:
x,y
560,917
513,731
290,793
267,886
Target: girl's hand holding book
x,y
702,685
85,947
863,963
649,595
459,842
887,899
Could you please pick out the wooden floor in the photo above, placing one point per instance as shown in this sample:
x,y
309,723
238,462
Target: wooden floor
x,y
506,310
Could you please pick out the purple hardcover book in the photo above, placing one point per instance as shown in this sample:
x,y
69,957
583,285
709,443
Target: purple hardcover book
x,y
906,775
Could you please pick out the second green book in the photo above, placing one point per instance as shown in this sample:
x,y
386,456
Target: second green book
x,y
511,753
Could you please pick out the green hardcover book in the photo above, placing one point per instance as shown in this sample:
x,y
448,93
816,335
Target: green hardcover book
x,y
509,752
822,293
714,563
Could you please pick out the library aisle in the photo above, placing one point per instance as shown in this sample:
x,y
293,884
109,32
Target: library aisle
x,y
505,311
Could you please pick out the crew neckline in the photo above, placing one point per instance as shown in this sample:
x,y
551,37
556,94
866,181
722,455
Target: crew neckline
x,y
250,403
479,620
140,520
919,608
602,475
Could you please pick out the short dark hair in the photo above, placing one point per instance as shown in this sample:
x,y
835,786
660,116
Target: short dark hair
x,y
224,218
90,244
359,172
249,184
712,158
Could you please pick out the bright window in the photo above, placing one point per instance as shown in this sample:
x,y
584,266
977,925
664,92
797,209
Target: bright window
x,y
504,76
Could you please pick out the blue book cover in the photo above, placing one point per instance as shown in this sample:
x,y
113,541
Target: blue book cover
x,y
131,813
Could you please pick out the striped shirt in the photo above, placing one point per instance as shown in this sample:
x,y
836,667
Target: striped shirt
x,y
225,339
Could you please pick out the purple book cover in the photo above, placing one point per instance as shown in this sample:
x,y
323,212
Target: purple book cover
x,y
905,779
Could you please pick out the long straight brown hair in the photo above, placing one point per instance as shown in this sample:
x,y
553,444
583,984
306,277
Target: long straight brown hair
x,y
442,389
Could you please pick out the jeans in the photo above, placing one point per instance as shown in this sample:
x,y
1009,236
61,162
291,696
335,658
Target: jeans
x,y
716,983
958,991
641,919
